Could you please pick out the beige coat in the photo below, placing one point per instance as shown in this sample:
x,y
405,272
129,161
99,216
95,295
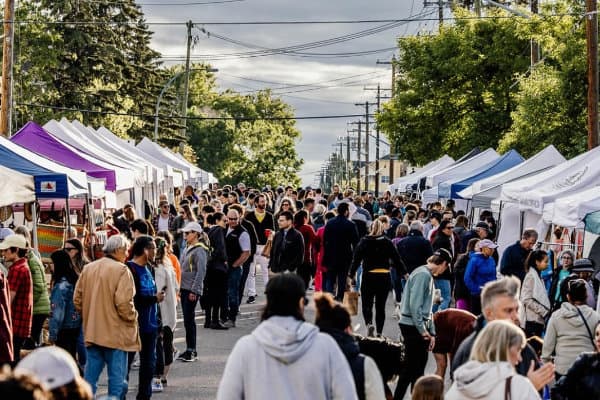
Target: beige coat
x,y
104,297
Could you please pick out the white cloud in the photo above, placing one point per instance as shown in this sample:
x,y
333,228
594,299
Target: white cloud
x,y
318,135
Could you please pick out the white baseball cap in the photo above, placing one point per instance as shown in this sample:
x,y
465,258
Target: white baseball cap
x,y
53,366
17,241
192,227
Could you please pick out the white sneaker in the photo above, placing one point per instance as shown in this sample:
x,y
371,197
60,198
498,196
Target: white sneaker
x,y
136,363
157,385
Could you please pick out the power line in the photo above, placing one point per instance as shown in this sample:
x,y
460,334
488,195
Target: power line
x,y
322,22
144,115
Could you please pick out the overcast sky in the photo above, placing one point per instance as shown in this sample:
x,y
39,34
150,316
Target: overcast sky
x,y
341,80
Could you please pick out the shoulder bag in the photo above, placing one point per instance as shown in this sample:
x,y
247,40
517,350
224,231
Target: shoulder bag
x,y
586,327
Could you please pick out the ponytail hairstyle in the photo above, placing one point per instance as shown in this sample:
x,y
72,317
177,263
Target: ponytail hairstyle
x,y
162,249
378,227
330,314
533,257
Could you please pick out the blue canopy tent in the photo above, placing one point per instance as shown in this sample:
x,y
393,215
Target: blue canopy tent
x,y
497,166
48,184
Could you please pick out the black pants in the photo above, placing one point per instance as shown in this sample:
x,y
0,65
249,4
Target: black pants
x,y
147,365
245,273
335,281
416,359
67,339
188,309
215,290
476,304
375,287
305,272
164,350
17,346
37,322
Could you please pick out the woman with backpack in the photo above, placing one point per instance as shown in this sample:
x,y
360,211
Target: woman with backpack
x,y
215,283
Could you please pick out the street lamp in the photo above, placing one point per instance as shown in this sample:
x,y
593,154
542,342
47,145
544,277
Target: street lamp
x,y
164,89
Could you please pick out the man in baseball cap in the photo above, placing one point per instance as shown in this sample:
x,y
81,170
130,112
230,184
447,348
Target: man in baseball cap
x,y
14,249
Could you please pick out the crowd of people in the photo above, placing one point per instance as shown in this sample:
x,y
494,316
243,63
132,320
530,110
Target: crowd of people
x,y
524,324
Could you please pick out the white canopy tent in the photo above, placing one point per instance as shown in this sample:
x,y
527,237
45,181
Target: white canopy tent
x,y
169,172
570,210
157,151
461,169
15,187
546,158
456,171
127,179
404,182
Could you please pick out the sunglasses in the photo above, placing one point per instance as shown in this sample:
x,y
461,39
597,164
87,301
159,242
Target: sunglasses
x,y
69,248
232,219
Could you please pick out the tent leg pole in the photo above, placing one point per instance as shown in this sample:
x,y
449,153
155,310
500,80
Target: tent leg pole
x,y
68,215
34,217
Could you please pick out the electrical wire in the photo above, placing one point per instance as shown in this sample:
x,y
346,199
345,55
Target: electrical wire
x,y
163,117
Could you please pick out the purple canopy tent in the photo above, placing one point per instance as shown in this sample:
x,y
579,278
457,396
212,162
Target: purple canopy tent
x,y
35,138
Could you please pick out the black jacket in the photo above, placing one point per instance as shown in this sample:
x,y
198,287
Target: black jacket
x,y
376,252
287,255
340,238
414,250
464,351
460,289
267,223
218,254
582,381
513,261
349,347
443,241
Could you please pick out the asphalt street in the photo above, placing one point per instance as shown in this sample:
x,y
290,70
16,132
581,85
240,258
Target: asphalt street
x,y
200,379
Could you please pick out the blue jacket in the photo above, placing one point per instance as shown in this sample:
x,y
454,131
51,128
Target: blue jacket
x,y
340,238
480,270
63,314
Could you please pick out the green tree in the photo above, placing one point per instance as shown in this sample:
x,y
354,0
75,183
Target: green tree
x,y
551,102
455,90
256,146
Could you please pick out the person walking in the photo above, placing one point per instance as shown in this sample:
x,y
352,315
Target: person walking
x,y
536,304
415,249
491,373
444,239
462,296
41,299
481,269
565,264
215,283
239,249
570,329
165,278
287,252
64,324
288,350
264,224
14,250
320,251
416,321
193,272
340,238
6,334
515,255
306,270
104,298
378,256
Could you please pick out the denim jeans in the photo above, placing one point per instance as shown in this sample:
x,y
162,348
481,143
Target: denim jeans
x,y
188,309
81,351
446,290
397,285
359,272
116,364
234,277
147,364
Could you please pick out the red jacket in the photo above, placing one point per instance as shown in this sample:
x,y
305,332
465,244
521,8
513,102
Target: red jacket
x,y
6,339
310,238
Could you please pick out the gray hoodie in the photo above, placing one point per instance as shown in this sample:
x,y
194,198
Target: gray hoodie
x,y
193,268
567,336
285,358
476,380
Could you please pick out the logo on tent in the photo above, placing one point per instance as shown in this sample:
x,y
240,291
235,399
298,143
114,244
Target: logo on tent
x,y
48,187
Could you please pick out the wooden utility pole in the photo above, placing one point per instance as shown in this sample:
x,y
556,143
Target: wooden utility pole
x,y
358,156
7,63
535,47
440,14
367,140
186,88
591,30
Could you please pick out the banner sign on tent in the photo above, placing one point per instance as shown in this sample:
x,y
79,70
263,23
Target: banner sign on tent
x,y
48,186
